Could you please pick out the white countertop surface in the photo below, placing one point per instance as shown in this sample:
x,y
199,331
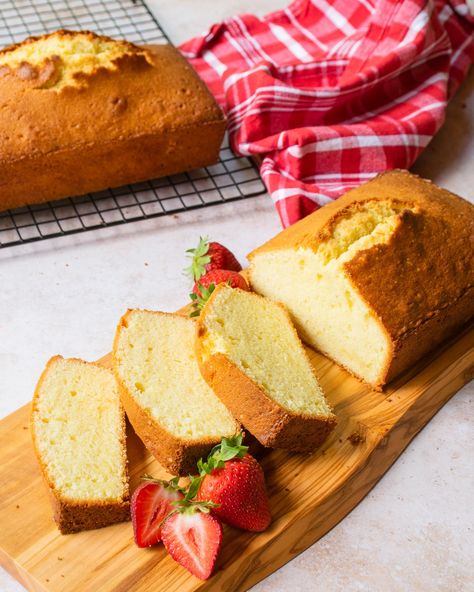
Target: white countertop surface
x,y
414,531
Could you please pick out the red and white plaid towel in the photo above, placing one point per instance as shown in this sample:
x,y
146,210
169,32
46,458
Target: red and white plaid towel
x,y
332,92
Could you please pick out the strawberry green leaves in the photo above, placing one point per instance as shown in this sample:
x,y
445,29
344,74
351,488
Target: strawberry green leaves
x,y
200,299
210,256
199,259
228,448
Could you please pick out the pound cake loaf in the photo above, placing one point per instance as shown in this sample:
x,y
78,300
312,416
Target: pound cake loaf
x,y
78,429
377,278
81,112
251,356
170,406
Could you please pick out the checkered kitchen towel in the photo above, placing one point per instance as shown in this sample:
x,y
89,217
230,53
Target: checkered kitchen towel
x,y
331,92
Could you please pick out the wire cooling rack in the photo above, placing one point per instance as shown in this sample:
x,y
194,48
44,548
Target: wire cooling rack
x,y
230,179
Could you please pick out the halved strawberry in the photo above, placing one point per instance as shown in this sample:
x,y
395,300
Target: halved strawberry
x,y
193,538
203,288
151,503
208,256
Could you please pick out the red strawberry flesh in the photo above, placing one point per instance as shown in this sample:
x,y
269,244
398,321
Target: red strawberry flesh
x,y
193,540
151,503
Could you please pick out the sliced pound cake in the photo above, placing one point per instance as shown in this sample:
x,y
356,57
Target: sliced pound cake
x,y
250,354
377,278
78,428
172,409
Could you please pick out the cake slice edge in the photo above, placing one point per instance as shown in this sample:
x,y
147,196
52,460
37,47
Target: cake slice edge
x,y
75,515
274,426
176,455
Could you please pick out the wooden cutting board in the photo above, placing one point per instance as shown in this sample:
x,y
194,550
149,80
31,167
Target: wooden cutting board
x,y
308,494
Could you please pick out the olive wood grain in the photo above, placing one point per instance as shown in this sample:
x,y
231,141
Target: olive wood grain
x,y
308,494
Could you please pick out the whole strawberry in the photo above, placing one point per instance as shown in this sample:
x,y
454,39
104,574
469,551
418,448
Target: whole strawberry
x,y
203,288
208,256
193,537
220,276
151,502
234,480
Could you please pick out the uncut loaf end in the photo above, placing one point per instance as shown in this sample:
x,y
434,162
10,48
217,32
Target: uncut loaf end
x,y
80,112
377,278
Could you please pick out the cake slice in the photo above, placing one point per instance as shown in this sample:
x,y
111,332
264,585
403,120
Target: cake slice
x,y
172,409
78,429
377,278
251,356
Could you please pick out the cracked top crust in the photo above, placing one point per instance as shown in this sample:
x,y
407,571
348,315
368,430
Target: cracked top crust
x,y
65,58
73,90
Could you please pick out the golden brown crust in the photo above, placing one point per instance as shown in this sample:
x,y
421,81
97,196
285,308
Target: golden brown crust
x,y
114,164
400,186
128,46
418,283
145,119
73,515
178,456
271,424
441,326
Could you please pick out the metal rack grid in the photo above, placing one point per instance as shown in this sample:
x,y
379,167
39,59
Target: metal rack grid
x,y
230,179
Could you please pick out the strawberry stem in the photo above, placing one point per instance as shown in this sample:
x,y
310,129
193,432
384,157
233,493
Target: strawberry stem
x,y
228,448
172,484
193,487
192,506
199,259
